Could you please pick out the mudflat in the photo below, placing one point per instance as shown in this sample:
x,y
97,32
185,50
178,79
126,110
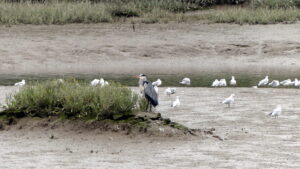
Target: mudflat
x,y
186,48
250,138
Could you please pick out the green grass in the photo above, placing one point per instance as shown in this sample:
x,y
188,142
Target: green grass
x,y
72,99
253,16
147,11
276,4
87,12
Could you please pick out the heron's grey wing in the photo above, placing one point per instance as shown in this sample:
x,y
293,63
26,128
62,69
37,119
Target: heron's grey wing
x,y
151,95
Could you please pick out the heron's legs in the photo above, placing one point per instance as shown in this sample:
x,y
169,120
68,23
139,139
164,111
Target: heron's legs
x,y
149,107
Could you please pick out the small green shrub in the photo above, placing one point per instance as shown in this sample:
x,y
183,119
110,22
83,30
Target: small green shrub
x,y
73,99
143,104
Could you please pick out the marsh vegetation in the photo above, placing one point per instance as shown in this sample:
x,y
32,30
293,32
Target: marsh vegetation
x,y
148,11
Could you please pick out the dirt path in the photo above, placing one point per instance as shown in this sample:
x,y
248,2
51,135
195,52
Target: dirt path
x,y
159,48
251,139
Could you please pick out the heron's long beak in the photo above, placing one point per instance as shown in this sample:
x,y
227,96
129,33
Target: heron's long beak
x,y
136,77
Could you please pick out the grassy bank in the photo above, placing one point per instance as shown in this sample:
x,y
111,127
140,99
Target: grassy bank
x,y
113,107
147,11
72,99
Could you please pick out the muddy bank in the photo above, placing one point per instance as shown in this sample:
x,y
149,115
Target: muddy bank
x,y
184,48
250,138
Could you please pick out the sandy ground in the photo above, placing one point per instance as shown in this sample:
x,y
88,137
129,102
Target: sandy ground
x,y
251,139
156,48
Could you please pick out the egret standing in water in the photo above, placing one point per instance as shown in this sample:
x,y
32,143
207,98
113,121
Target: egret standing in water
x,y
22,83
229,100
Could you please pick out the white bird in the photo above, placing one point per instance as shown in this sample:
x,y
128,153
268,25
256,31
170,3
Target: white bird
x,y
156,89
157,82
170,91
222,82
186,81
176,102
297,83
276,112
285,81
101,82
106,83
274,83
254,87
264,82
232,81
60,80
95,82
22,83
215,83
229,100
289,83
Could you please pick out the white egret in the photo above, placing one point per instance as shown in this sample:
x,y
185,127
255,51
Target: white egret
x,y
264,82
232,81
22,83
229,100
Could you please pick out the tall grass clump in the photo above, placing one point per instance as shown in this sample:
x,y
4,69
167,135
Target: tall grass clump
x,y
93,11
72,99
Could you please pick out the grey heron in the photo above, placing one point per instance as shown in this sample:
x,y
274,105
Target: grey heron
x,y
148,90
